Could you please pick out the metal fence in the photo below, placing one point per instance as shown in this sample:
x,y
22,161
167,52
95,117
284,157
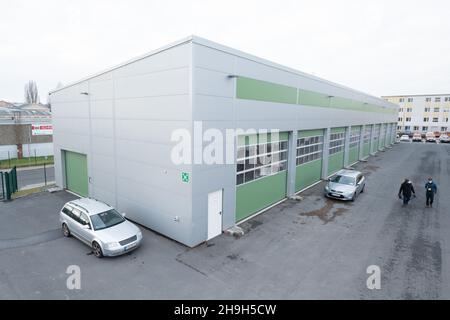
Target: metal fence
x,y
8,183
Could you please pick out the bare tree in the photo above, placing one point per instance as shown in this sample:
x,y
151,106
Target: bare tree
x,y
31,92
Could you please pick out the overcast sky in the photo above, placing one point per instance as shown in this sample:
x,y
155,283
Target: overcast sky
x,y
381,47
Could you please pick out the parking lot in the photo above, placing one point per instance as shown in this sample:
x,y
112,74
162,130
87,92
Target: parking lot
x,y
310,249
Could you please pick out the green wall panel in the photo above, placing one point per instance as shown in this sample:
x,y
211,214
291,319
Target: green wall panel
x,y
335,162
337,130
308,174
310,98
259,194
244,140
76,173
353,155
252,89
310,133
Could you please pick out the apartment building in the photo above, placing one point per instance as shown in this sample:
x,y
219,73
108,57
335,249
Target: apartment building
x,y
422,113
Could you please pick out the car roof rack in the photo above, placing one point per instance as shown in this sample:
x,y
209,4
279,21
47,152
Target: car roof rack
x,y
79,206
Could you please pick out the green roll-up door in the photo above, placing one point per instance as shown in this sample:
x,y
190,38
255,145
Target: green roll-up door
x,y
355,139
76,173
309,158
260,183
376,138
336,150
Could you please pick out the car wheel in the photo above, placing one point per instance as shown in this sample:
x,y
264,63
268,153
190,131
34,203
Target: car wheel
x,y
65,230
354,197
362,190
97,250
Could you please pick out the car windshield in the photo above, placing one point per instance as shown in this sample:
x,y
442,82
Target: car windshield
x,y
106,219
344,180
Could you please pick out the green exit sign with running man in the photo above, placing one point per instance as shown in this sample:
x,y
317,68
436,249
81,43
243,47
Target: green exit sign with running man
x,y
185,177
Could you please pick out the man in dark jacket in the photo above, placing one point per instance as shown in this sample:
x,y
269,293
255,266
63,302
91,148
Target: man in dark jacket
x,y
406,191
431,190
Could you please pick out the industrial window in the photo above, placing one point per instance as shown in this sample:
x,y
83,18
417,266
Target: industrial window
x,y
426,119
410,99
435,119
424,128
408,109
261,160
437,109
437,100
444,129
402,100
447,99
400,119
367,134
309,149
355,137
428,99
407,128
399,128
416,128
446,120
408,119
400,110
337,141
427,109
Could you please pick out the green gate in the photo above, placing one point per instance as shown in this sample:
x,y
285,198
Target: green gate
x,y
336,150
8,183
76,173
309,158
261,172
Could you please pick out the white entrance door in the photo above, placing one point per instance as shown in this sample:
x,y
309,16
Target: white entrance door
x,y
214,214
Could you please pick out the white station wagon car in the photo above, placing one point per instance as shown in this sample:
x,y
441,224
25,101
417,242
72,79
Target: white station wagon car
x,y
99,226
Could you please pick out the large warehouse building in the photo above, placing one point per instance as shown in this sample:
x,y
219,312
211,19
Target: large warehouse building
x,y
113,135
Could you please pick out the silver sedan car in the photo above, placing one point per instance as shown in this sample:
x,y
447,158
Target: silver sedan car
x,y
99,226
345,185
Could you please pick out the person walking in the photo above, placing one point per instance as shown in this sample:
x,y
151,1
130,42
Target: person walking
x,y
431,190
406,191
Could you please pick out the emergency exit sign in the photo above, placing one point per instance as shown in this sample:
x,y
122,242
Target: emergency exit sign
x,y
185,177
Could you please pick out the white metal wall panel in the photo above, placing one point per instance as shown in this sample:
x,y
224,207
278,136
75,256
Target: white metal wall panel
x,y
168,82
38,149
8,151
154,108
124,126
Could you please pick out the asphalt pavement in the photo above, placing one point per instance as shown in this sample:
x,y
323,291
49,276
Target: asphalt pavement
x,y
310,249
29,177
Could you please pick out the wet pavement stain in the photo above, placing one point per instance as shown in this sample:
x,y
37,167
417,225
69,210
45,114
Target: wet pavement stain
x,y
369,169
251,225
327,213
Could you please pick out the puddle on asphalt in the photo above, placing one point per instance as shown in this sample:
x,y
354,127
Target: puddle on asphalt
x,y
251,224
369,169
327,213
